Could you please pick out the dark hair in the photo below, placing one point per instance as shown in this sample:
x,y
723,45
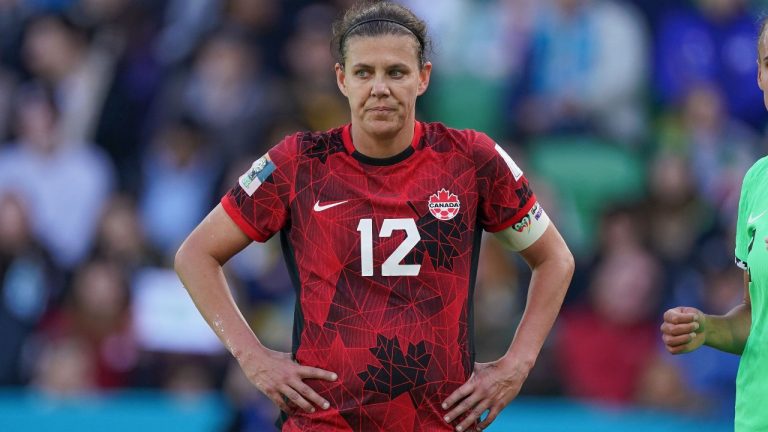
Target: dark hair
x,y
374,18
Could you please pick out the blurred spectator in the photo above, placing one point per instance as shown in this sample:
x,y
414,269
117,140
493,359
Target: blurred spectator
x,y
675,214
713,42
185,24
605,346
620,229
314,96
492,33
663,387
180,173
120,236
59,53
264,23
585,71
15,16
226,92
96,314
64,369
718,148
126,29
63,186
29,284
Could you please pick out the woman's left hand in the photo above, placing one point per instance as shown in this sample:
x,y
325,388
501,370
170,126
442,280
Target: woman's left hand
x,y
492,386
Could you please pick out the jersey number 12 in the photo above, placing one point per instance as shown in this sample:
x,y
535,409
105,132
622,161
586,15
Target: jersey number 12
x,y
391,266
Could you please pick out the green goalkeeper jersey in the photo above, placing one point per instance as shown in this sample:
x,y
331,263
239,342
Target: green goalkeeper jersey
x,y
752,256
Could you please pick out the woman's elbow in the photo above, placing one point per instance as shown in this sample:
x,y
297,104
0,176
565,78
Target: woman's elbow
x,y
568,263
181,259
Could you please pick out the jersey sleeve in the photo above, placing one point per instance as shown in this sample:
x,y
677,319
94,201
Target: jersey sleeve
x,y
260,200
506,200
744,234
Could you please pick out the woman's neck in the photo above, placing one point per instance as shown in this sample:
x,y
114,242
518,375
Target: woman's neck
x,y
382,146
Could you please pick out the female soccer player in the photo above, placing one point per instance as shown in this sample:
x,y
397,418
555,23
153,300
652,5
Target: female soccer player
x,y
744,329
381,222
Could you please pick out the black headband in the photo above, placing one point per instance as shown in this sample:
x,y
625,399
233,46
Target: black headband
x,y
351,29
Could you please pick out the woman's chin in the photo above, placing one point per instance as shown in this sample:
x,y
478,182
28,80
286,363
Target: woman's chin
x,y
383,128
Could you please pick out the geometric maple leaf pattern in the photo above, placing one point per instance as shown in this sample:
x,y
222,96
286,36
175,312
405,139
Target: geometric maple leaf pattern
x,y
399,372
440,241
399,344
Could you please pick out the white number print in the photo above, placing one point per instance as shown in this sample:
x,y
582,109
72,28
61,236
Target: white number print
x,y
366,246
391,266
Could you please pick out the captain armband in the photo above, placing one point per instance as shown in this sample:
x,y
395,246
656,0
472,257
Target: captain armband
x,y
527,230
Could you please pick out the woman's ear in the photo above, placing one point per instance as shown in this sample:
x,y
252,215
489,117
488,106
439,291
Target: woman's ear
x,y
341,78
424,75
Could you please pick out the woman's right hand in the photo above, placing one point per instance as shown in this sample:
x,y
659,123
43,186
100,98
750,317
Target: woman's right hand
x,y
683,329
280,378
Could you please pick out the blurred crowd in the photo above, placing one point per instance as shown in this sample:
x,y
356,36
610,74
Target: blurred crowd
x,y
122,122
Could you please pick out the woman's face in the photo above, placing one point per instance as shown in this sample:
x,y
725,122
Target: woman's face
x,y
762,66
382,79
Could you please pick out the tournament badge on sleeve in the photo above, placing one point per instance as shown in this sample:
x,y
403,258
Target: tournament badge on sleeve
x,y
257,174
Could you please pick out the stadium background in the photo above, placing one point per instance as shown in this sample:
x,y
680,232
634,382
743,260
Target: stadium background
x,y
123,121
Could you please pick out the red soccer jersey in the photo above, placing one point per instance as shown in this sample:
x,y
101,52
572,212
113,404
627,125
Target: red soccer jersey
x,y
383,254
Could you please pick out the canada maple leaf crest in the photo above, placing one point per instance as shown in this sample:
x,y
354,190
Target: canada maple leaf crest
x,y
400,371
444,205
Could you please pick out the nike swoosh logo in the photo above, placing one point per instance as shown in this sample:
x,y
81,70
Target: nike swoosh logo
x,y
754,219
319,208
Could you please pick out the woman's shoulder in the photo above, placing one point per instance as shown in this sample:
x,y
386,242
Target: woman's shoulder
x,y
439,134
758,170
